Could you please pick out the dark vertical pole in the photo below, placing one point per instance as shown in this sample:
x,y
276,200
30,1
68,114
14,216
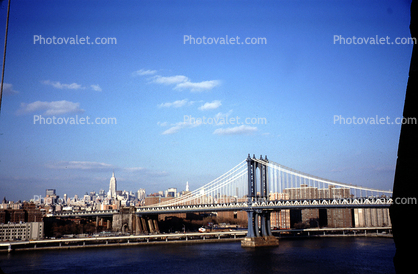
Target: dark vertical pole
x,y
266,179
262,196
254,181
251,178
250,214
262,179
266,230
406,174
4,53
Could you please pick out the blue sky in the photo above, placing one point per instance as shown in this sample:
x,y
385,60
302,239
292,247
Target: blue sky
x,y
150,79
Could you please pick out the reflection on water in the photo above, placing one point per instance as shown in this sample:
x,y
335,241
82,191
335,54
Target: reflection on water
x,y
316,255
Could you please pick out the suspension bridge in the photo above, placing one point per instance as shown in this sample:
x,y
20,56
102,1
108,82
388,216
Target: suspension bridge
x,y
260,186
263,184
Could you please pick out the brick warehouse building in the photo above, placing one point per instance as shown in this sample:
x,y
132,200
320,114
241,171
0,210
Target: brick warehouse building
x,y
28,213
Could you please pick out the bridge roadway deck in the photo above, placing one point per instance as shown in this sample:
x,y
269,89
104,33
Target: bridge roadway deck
x,y
272,205
98,213
239,206
68,243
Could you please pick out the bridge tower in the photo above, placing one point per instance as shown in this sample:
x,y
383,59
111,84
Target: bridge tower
x,y
259,230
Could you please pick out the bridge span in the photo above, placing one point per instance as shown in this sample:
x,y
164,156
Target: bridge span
x,y
272,205
260,186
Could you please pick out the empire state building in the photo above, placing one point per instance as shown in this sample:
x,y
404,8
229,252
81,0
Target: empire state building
x,y
112,187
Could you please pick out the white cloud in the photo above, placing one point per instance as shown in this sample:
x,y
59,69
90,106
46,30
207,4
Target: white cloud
x,y
97,166
212,105
169,80
50,108
175,104
179,126
135,169
162,124
199,86
145,172
222,117
243,129
62,86
96,87
142,171
8,89
175,128
81,165
157,173
143,72
183,82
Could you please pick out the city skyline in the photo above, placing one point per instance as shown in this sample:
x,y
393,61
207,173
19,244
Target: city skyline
x,y
112,194
179,110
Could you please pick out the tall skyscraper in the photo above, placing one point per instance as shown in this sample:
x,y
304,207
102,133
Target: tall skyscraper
x,y
171,192
112,187
141,194
187,186
50,192
51,196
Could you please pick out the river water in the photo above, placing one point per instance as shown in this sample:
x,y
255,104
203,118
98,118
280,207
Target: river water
x,y
313,255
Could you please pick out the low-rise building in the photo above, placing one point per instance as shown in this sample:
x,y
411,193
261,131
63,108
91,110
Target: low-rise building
x,y
21,231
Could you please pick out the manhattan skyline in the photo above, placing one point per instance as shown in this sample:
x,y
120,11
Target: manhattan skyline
x,y
150,80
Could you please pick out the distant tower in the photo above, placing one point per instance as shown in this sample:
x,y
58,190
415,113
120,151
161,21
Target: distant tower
x,y
112,187
187,186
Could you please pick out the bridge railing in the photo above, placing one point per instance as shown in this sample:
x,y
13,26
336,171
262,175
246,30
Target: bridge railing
x,y
262,204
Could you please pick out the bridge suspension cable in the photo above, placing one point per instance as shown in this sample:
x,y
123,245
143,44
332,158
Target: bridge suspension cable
x,y
230,184
282,178
284,183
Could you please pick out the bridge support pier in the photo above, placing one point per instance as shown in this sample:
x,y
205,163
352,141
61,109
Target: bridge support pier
x,y
259,230
151,226
251,229
156,228
138,228
144,226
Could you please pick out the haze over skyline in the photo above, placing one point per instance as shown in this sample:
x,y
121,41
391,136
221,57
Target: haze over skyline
x,y
151,80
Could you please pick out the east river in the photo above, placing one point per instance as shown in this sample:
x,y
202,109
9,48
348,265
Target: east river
x,y
313,255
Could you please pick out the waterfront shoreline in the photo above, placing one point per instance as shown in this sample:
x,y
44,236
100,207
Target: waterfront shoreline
x,y
132,240
168,239
181,242
371,235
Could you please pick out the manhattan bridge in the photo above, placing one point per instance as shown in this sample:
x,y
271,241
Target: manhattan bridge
x,y
259,187
263,184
